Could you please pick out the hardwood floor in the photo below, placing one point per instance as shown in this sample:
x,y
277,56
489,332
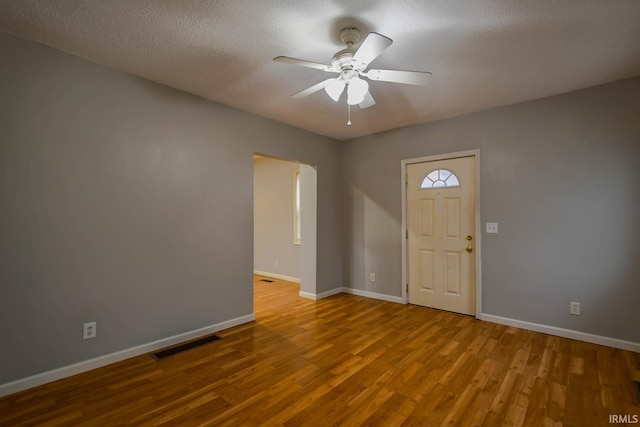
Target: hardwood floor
x,y
348,360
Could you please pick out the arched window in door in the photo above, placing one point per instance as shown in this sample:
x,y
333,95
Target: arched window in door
x,y
440,178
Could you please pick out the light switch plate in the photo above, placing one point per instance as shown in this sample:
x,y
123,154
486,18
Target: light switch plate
x,y
492,227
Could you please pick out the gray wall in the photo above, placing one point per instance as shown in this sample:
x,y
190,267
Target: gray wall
x,y
130,204
560,175
273,219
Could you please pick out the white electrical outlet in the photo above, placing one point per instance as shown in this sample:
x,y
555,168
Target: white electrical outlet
x,y
372,277
89,330
574,308
276,263
492,227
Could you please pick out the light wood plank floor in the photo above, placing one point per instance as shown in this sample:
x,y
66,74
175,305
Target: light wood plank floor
x,y
348,360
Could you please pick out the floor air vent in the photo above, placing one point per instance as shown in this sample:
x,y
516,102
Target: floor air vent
x,y
265,280
181,348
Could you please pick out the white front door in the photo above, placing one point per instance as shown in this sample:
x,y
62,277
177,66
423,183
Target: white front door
x,y
441,233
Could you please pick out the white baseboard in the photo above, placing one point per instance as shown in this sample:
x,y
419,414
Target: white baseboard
x,y
561,332
374,295
277,276
321,295
87,365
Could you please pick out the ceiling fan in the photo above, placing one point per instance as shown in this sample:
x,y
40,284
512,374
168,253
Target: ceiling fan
x,y
350,64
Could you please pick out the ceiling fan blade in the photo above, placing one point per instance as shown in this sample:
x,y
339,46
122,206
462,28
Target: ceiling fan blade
x,y
313,89
418,78
303,63
371,47
368,101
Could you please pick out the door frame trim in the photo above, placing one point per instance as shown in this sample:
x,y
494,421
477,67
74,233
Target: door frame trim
x,y
478,229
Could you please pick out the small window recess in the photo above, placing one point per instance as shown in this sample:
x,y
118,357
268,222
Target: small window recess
x,y
296,207
439,178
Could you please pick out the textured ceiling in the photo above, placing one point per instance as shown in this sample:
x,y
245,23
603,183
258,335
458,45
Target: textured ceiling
x,y
482,53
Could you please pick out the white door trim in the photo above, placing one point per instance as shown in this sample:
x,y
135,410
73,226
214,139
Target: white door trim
x,y
405,265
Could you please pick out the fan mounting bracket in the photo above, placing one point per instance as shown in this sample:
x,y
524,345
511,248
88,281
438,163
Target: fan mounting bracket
x,y
343,60
350,36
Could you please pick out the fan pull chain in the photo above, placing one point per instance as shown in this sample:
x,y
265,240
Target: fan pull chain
x,y
348,114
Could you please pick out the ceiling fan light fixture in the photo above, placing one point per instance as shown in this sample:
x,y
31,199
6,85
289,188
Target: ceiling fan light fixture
x,y
356,91
351,64
335,88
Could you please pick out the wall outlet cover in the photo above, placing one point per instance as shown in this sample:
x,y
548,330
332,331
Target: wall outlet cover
x,y
89,330
574,308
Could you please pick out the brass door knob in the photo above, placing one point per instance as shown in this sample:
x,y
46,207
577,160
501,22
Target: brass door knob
x,y
469,248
